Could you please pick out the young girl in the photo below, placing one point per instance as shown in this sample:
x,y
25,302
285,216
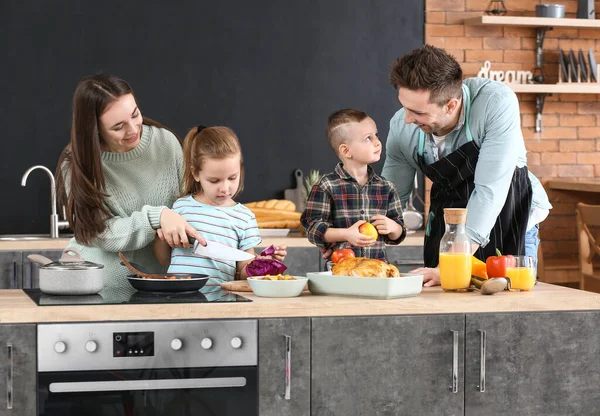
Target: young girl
x,y
213,177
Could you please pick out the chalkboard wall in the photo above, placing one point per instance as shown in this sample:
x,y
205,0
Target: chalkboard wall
x,y
272,70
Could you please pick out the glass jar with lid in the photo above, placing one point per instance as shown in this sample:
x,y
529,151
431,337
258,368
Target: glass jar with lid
x,y
455,251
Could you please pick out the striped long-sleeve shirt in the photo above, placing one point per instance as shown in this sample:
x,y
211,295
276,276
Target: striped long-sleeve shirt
x,y
234,226
339,201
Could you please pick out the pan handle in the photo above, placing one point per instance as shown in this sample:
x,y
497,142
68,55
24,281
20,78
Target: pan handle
x,y
39,259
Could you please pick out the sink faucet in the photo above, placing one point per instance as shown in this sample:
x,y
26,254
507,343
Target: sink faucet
x,y
55,223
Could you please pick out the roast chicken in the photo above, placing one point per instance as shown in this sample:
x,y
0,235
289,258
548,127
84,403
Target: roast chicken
x,y
364,267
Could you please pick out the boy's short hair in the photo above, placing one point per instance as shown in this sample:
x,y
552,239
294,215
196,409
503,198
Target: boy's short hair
x,y
335,134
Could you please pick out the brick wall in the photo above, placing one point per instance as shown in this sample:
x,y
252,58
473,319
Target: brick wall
x,y
569,144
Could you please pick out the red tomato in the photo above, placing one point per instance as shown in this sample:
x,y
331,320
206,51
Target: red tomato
x,y
342,254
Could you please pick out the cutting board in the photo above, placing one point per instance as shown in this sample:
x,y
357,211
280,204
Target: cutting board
x,y
236,286
295,194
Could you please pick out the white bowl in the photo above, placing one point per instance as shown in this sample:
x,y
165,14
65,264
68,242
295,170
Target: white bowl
x,y
277,288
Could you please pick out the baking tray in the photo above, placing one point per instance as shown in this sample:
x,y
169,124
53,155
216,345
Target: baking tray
x,y
324,283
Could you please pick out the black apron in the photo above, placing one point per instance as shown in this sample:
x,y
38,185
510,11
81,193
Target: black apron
x,y
453,182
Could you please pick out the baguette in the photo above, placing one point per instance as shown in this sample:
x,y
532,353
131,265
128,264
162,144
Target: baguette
x,y
279,204
279,224
275,215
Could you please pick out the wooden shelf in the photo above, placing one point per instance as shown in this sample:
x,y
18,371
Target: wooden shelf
x,y
532,21
562,88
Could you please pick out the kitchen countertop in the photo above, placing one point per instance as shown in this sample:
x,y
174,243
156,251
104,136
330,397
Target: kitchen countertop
x,y
292,240
17,307
585,185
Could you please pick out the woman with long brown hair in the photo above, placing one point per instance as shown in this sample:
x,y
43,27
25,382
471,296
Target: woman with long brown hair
x,y
117,177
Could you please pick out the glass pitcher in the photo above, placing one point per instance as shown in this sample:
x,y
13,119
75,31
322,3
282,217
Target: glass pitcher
x,y
455,252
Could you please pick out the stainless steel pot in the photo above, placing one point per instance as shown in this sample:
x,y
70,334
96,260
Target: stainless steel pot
x,y
70,275
550,10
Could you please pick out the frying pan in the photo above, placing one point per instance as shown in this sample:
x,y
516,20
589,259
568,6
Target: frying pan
x,y
180,284
413,219
157,282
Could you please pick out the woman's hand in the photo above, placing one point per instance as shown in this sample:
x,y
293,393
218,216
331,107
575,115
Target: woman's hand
x,y
431,276
174,229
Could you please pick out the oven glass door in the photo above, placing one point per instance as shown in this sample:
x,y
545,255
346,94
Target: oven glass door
x,y
150,392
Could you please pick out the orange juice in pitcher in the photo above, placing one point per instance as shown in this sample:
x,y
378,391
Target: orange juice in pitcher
x,y
455,271
455,252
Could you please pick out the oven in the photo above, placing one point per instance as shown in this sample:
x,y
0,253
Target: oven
x,y
178,368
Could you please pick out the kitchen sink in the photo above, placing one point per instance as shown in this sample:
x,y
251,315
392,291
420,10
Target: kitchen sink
x,y
30,237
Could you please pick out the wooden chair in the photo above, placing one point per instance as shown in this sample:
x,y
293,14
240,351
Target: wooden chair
x,y
588,216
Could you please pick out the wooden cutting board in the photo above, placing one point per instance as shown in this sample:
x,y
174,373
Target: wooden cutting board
x,y
236,286
295,194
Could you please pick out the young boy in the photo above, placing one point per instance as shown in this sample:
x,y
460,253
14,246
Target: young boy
x,y
353,193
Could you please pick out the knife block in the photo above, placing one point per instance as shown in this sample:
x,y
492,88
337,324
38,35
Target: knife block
x,y
585,9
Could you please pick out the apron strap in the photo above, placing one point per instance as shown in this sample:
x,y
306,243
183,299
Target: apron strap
x,y
467,102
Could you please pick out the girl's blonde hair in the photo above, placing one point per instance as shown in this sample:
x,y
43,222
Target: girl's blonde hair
x,y
203,143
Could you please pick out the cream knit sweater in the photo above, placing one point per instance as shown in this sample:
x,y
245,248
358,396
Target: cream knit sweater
x,y
140,184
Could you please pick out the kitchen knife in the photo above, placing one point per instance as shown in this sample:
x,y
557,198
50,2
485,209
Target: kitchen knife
x,y
220,251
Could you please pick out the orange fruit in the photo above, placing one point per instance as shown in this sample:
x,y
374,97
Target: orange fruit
x,y
368,229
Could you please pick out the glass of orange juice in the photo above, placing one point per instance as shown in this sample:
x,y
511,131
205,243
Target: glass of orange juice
x,y
522,273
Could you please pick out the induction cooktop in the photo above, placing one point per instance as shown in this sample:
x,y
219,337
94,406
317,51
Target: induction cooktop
x,y
208,294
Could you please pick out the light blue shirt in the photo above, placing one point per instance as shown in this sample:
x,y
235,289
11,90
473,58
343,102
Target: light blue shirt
x,y
495,124
233,226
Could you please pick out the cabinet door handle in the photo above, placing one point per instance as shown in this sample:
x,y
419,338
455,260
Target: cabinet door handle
x,y
9,376
454,386
288,367
482,361
15,286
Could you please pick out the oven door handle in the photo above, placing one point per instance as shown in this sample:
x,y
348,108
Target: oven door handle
x,y
160,384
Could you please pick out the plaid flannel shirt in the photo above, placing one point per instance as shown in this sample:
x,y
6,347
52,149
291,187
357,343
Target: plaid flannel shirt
x,y
338,201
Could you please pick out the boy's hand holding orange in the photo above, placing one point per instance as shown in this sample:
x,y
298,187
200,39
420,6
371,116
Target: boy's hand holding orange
x,y
358,239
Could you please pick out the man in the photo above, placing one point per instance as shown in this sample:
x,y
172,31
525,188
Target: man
x,y
465,136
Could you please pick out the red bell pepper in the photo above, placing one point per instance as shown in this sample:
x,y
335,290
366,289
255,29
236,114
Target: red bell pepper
x,y
496,265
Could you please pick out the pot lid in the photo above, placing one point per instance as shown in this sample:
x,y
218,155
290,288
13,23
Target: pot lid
x,y
71,260
72,265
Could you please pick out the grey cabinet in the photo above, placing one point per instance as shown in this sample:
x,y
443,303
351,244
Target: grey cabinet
x,y
284,344
300,260
387,365
31,270
10,269
535,364
18,369
406,258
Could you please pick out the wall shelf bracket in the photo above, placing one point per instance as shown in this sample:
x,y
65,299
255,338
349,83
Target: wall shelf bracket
x,y
539,37
540,99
